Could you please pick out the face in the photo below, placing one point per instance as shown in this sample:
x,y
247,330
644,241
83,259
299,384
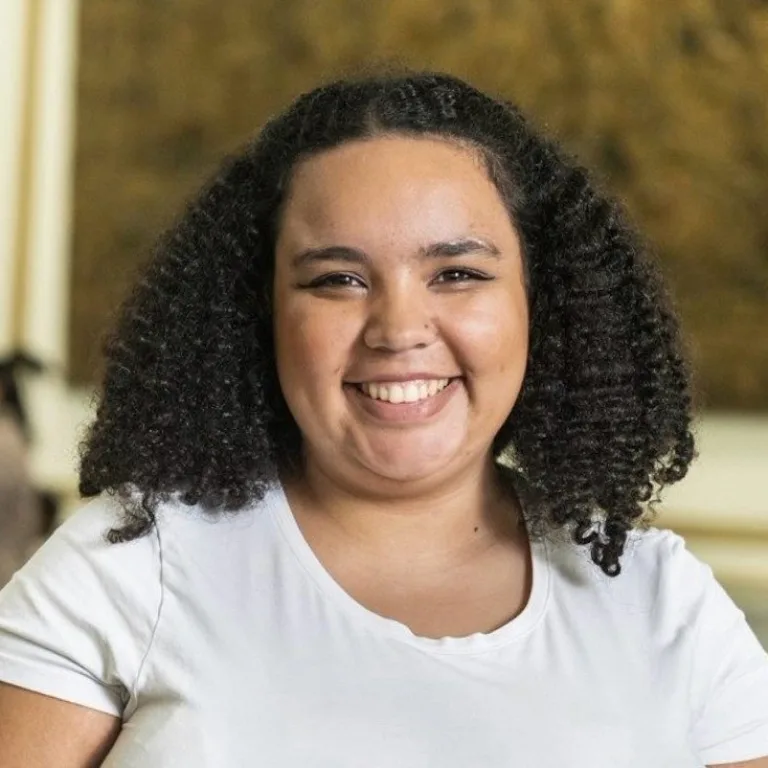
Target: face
x,y
401,321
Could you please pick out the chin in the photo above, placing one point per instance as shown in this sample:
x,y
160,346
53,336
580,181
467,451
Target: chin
x,y
404,474
403,470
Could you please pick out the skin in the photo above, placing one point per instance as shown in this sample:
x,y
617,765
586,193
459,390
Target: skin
x,y
39,731
417,498
396,258
394,309
761,762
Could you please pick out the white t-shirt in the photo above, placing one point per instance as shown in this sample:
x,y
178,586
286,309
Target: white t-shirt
x,y
224,642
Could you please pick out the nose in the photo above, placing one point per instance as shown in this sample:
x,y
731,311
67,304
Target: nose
x,y
399,320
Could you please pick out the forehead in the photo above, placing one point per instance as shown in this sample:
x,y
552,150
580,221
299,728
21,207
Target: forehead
x,y
389,186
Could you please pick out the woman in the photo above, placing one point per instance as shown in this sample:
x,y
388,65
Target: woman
x,y
378,431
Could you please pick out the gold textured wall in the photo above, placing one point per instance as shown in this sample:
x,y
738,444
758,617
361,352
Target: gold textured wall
x,y
667,99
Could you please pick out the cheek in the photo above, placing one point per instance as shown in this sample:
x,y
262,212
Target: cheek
x,y
493,337
312,340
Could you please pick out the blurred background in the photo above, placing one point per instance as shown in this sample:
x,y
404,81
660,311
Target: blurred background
x,y
115,111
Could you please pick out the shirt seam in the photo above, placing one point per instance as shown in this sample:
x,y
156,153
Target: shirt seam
x,y
161,574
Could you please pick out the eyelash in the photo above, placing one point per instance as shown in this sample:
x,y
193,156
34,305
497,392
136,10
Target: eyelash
x,y
467,275
332,280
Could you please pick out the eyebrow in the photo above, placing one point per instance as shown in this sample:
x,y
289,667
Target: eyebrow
x,y
461,247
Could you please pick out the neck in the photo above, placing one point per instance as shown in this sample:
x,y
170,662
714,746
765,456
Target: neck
x,y
454,519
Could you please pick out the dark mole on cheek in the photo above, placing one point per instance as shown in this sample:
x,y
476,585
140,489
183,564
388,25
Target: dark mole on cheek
x,y
476,529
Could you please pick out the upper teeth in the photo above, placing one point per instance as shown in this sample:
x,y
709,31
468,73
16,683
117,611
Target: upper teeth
x,y
407,392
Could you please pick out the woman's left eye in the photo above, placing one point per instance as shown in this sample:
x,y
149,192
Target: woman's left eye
x,y
460,276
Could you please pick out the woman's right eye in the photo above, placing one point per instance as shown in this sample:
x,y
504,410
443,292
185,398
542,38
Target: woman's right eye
x,y
337,280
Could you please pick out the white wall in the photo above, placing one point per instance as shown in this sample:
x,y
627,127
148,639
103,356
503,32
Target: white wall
x,y
50,82
727,483
13,19
722,505
44,329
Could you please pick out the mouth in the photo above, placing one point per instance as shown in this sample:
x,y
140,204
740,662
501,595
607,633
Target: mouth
x,y
397,392
403,403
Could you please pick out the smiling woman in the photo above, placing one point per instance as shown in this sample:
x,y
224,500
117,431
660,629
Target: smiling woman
x,y
427,285
378,435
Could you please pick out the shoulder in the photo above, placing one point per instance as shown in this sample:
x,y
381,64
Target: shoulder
x,y
77,619
80,543
86,530
181,533
78,571
651,556
660,579
661,559
659,563
659,567
701,638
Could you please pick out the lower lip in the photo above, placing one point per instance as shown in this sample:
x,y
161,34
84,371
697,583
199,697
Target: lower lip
x,y
421,410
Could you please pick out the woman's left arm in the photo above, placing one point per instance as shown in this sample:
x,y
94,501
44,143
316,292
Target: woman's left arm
x,y
725,666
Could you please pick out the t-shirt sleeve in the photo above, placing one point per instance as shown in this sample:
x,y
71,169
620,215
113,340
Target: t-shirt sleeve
x,y
729,667
77,620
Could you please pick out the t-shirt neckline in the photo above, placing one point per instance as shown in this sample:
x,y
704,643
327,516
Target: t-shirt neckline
x,y
476,643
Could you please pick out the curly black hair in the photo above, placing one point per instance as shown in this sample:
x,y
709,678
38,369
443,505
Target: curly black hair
x,y
191,405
